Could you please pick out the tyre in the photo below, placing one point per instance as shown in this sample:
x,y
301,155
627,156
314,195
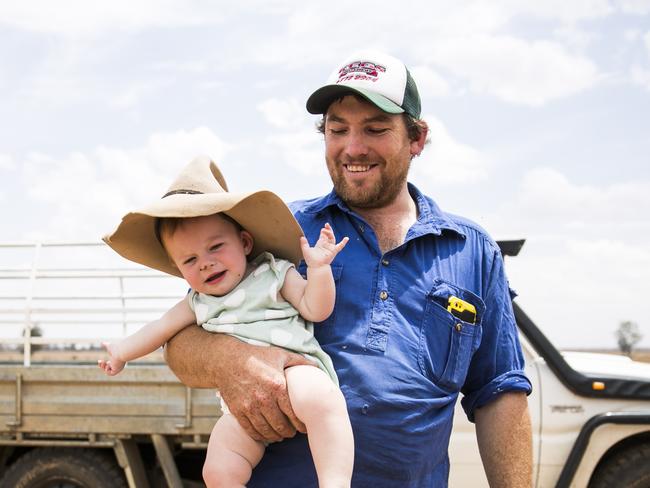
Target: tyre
x,y
629,468
64,468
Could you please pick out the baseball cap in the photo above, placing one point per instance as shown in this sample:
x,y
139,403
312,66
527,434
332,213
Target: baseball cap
x,y
378,77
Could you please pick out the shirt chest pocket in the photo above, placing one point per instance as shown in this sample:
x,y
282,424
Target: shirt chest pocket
x,y
448,342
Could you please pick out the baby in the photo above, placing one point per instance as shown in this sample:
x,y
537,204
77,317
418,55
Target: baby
x,y
242,286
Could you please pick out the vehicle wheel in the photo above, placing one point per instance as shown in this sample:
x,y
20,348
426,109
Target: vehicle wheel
x,y
629,468
64,468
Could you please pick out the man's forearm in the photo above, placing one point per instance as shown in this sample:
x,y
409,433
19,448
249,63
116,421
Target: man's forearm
x,y
191,356
249,378
504,436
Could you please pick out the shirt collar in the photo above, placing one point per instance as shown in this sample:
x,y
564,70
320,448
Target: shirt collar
x,y
431,220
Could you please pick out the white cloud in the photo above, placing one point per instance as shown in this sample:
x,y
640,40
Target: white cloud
x,y
574,38
301,150
517,71
73,61
67,75
584,265
640,76
194,67
547,192
294,146
75,17
578,290
550,210
446,160
468,39
559,9
632,35
430,83
283,114
640,73
597,251
130,96
57,80
82,196
640,7
79,18
7,162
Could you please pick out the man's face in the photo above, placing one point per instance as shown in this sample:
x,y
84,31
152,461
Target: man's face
x,y
368,153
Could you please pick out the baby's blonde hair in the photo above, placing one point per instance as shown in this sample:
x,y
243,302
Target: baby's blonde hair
x,y
166,226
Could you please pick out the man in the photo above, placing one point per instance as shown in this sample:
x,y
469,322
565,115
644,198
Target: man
x,y
422,311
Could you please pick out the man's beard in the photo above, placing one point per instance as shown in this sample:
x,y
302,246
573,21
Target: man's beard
x,y
380,194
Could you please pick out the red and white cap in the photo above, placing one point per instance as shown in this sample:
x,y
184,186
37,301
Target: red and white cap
x,y
379,78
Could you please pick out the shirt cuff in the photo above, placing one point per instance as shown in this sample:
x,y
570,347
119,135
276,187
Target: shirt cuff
x,y
507,382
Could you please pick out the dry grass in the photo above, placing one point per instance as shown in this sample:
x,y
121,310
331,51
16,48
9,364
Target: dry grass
x,y
642,355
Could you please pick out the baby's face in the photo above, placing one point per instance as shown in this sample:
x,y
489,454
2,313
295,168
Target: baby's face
x,y
210,252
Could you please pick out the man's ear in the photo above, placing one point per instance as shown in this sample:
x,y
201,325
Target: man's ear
x,y
417,145
247,241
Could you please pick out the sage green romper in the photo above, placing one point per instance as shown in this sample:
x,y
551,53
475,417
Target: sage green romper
x,y
255,312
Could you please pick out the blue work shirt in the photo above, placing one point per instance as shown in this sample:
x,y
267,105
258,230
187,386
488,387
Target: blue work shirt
x,y
401,356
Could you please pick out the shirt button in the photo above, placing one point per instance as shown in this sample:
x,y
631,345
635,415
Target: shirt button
x,y
459,327
364,409
383,295
344,346
384,262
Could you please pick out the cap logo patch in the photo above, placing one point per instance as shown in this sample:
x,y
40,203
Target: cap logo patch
x,y
360,70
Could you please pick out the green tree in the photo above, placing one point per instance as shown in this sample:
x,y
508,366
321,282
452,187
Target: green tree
x,y
37,332
628,336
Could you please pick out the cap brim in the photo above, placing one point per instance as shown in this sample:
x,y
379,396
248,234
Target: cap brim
x,y
321,99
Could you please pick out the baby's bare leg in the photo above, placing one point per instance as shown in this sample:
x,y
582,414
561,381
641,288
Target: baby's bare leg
x,y
231,455
320,405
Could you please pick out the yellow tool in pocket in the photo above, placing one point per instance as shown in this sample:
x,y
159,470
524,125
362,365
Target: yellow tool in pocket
x,y
463,310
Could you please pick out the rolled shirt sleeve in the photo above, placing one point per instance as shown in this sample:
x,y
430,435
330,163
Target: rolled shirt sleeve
x,y
498,364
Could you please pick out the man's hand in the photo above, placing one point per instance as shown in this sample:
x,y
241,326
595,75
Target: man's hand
x,y
256,393
249,378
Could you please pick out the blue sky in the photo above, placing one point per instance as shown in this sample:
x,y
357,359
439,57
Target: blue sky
x,y
539,115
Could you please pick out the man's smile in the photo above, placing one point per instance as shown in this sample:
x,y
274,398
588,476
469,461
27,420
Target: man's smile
x,y
358,168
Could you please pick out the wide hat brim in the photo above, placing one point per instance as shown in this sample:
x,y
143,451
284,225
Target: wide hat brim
x,y
262,213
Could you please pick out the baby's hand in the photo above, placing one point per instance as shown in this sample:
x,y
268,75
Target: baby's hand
x,y
324,251
112,366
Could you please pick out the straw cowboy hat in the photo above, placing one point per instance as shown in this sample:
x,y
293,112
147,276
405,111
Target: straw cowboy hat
x,y
198,190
